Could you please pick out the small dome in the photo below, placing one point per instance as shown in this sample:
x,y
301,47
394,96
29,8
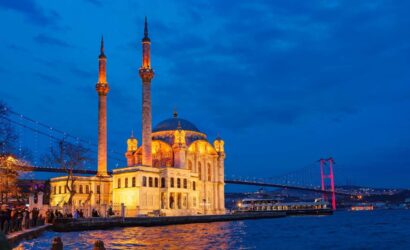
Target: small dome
x,y
173,123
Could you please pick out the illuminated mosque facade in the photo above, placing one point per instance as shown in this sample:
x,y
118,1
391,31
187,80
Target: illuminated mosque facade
x,y
175,171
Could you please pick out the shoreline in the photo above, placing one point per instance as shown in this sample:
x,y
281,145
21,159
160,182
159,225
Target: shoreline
x,y
87,224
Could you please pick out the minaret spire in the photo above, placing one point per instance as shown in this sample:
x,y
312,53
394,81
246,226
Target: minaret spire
x,y
102,47
146,73
146,30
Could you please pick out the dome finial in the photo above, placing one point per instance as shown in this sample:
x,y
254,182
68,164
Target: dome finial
x,y
175,115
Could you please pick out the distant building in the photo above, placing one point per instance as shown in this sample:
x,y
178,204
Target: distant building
x,y
176,170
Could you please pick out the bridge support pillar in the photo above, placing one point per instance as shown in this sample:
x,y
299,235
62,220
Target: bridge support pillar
x,y
330,177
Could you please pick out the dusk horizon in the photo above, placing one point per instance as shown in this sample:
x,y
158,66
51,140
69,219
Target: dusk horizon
x,y
204,124
284,86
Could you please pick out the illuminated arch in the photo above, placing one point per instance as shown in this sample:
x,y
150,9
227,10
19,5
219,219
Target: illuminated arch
x,y
202,147
162,154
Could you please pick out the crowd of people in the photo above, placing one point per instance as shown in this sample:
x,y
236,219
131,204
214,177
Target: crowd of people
x,y
13,219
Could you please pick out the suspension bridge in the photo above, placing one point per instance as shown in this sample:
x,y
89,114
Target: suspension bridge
x,y
304,179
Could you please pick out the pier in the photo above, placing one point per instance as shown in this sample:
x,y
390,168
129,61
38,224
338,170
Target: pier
x,y
68,225
30,233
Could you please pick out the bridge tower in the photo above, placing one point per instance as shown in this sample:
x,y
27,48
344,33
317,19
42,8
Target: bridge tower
x,y
326,173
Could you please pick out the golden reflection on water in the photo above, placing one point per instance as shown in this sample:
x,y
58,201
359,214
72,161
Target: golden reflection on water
x,y
191,236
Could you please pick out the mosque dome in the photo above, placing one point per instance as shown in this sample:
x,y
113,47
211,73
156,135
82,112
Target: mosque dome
x,y
174,123
163,130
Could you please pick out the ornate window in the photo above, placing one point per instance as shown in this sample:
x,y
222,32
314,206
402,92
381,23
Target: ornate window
x,y
163,182
119,183
172,182
150,181
185,183
59,189
209,172
133,181
126,182
144,181
156,182
178,183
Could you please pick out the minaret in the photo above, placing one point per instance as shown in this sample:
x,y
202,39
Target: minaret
x,y
146,73
102,90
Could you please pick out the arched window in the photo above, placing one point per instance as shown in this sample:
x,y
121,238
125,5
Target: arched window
x,y
156,182
190,165
59,189
209,172
126,182
133,181
185,183
200,170
81,189
144,181
55,190
194,185
163,182
119,183
172,182
150,182
178,183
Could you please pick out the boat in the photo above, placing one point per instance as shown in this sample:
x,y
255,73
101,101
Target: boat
x,y
363,207
317,207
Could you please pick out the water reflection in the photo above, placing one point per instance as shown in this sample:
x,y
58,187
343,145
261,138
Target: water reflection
x,y
383,229
192,236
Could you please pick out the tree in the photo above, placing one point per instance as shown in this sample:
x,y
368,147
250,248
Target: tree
x,y
8,162
8,136
68,157
8,181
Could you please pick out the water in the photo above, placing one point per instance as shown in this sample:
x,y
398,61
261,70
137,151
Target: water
x,y
388,229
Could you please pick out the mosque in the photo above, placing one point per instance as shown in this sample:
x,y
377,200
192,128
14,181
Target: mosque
x,y
175,171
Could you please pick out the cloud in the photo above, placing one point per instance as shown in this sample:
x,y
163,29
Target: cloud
x,y
95,2
48,78
32,11
81,72
48,40
18,48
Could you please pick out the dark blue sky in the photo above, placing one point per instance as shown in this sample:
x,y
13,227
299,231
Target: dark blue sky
x,y
283,82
